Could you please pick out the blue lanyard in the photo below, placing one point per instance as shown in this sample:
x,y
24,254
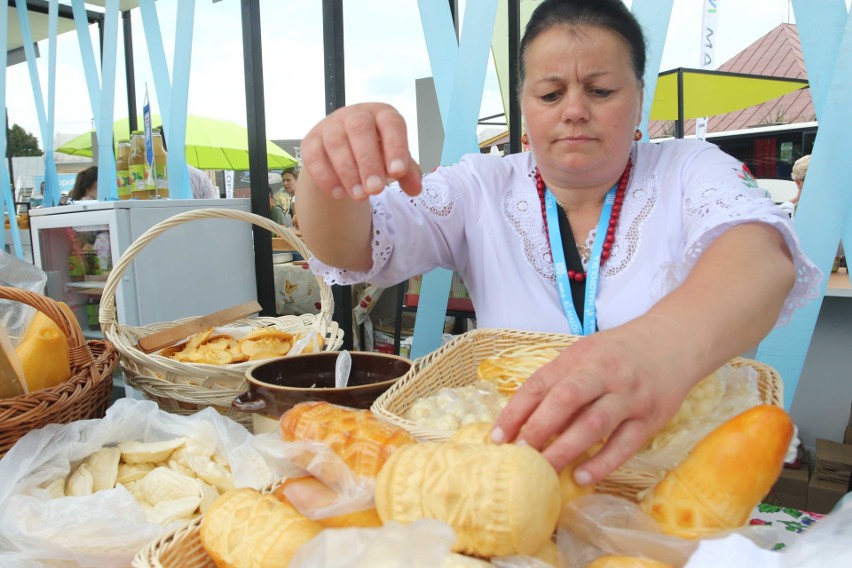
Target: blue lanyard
x,y
561,267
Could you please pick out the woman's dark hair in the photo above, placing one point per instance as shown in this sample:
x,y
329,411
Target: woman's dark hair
x,y
294,170
611,15
85,179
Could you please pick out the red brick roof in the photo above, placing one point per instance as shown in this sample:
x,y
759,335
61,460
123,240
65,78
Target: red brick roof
x,y
777,54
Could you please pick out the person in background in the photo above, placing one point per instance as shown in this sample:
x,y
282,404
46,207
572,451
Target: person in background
x,y
86,185
199,182
800,168
666,258
276,212
289,177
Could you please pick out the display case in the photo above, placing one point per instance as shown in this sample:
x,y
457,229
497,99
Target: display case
x,y
192,269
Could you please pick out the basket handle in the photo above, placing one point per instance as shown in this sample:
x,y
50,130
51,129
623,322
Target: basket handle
x,y
80,357
107,314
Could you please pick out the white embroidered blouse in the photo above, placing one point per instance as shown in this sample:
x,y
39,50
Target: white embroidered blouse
x,y
482,218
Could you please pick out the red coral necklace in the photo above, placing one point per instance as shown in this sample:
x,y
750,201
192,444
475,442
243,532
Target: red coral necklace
x,y
609,240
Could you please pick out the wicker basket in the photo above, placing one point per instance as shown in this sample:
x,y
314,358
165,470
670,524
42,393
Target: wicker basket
x,y
455,365
85,395
185,388
181,548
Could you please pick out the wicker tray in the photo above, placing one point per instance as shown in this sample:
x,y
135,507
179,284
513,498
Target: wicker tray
x,y
455,364
186,388
85,395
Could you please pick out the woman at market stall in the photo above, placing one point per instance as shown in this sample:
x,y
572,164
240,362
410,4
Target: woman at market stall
x,y
85,185
668,252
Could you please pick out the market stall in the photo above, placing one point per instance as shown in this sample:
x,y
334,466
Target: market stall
x,y
260,436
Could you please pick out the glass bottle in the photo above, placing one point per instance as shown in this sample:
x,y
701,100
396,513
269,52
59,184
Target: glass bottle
x,y
161,174
122,169
138,165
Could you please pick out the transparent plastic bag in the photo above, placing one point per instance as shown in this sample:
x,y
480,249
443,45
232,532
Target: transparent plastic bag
x,y
596,525
727,393
421,544
15,273
108,527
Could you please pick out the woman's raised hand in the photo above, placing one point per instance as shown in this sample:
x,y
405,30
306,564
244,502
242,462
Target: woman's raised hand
x,y
357,149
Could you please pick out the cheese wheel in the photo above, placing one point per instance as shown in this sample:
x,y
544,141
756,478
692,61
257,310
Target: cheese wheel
x,y
363,441
500,500
246,529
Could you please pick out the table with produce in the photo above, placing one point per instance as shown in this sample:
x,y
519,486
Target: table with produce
x,y
409,479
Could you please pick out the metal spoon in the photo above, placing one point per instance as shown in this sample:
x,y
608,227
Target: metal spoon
x,y
342,366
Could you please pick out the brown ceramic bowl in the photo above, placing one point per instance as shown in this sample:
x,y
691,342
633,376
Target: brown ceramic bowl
x,y
276,386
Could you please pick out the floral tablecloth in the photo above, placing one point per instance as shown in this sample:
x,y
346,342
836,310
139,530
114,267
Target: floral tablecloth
x,y
793,521
296,289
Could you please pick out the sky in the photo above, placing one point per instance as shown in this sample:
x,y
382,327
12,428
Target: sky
x,y
384,51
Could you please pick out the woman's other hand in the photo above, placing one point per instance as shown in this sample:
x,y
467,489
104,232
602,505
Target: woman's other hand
x,y
609,386
355,151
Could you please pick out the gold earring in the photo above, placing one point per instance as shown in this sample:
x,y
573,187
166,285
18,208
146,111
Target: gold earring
x,y
637,135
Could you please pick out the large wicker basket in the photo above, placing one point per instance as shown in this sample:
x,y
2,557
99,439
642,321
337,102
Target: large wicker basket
x,y
85,395
455,365
185,388
181,548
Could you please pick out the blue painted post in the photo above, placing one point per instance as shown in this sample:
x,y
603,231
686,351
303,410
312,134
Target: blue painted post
x,y
654,15
824,211
7,201
459,71
172,93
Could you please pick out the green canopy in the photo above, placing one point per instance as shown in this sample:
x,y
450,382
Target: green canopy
x,y
211,144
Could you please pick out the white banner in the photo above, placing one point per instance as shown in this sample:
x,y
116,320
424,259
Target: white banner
x,y
709,20
229,184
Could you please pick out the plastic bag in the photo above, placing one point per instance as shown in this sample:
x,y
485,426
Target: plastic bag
x,y
15,273
827,543
109,527
727,393
596,525
354,493
421,544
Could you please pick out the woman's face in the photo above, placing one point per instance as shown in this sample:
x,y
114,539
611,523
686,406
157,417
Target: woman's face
x,y
289,183
581,103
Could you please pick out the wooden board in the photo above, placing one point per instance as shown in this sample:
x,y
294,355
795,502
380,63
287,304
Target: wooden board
x,y
174,334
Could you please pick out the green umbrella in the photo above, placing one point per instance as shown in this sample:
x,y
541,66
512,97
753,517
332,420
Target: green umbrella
x,y
211,144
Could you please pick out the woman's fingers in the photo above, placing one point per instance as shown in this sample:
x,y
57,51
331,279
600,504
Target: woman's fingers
x,y
318,166
354,151
547,403
400,165
623,444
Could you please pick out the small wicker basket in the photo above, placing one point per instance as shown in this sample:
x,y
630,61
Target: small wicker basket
x,y
85,395
185,388
455,365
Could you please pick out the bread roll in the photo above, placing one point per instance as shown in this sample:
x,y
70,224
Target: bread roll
x,y
500,500
363,441
724,477
244,529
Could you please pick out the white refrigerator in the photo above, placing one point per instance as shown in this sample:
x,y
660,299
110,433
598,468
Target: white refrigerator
x,y
189,270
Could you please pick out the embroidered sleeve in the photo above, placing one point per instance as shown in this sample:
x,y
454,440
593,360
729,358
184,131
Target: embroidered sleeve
x,y
411,235
714,203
